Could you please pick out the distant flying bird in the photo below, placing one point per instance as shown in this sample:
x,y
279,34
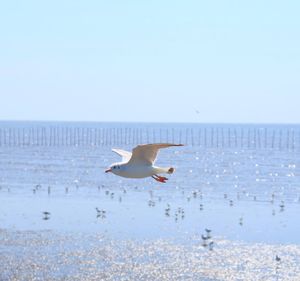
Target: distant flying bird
x,y
140,163
197,111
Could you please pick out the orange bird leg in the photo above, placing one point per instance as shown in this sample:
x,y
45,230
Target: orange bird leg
x,y
160,179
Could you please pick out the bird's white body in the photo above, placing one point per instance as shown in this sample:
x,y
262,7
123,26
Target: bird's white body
x,y
140,163
137,172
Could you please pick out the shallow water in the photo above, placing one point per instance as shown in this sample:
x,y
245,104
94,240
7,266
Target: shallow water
x,y
249,198
51,256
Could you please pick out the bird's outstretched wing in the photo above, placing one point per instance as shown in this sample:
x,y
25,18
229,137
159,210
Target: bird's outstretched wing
x,y
126,155
145,154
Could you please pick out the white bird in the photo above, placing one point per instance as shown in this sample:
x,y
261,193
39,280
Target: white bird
x,y
140,163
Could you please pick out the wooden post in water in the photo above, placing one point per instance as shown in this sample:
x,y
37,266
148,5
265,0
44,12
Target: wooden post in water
x,y
186,135
167,135
258,138
235,138
293,139
222,137
9,136
180,136
79,135
101,138
273,139
266,137
242,137
288,139
75,136
229,137
18,137
173,138
199,137
254,138
280,138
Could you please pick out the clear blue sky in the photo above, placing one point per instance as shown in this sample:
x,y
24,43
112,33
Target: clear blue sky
x,y
233,61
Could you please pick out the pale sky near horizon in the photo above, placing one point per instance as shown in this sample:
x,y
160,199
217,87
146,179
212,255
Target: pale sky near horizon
x,y
168,61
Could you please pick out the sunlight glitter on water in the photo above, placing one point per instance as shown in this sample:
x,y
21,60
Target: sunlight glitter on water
x,y
102,226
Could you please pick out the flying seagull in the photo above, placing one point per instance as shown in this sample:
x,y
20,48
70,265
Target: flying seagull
x,y
140,163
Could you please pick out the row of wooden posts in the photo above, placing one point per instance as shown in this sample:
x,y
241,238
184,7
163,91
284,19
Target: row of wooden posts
x,y
215,137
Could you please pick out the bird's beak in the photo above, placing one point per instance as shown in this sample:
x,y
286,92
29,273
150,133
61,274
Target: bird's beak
x,y
108,170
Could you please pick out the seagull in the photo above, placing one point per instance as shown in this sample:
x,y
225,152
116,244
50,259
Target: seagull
x,y
140,163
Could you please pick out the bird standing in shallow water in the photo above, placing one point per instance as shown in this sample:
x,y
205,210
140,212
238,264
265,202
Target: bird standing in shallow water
x,y
140,163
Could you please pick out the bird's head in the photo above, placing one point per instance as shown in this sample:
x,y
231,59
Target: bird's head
x,y
115,169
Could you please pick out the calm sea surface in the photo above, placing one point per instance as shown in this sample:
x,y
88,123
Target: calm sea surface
x,y
240,181
229,183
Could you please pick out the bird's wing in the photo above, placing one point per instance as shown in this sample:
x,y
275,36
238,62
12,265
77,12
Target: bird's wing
x,y
126,155
146,153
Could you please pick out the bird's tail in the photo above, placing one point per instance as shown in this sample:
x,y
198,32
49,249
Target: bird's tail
x,y
171,170
159,170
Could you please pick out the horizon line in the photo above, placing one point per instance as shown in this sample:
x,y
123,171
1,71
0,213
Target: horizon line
x,y
149,122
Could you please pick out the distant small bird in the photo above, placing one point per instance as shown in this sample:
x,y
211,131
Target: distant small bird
x,y
100,213
278,259
241,221
46,215
282,206
208,232
204,240
211,245
151,203
204,237
140,163
197,111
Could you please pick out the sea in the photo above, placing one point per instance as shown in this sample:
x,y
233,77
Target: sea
x,y
230,211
